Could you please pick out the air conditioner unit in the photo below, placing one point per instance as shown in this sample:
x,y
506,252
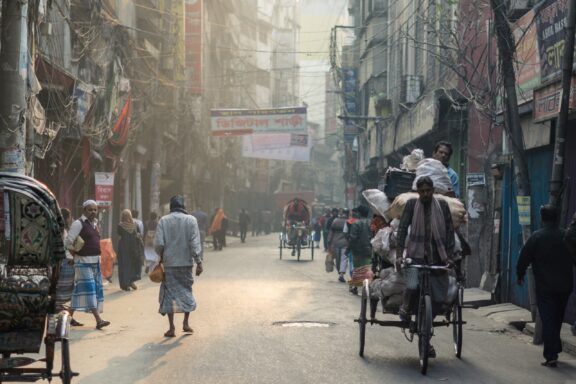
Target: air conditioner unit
x,y
411,88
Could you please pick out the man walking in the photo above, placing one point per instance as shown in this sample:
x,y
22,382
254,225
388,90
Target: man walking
x,y
552,266
570,239
243,221
88,294
177,242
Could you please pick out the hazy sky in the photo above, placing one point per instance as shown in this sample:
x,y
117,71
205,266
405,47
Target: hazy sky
x,y
317,19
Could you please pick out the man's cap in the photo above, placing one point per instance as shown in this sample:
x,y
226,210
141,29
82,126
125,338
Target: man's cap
x,y
89,202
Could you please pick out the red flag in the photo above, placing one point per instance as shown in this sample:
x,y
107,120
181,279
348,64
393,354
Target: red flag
x,y
122,126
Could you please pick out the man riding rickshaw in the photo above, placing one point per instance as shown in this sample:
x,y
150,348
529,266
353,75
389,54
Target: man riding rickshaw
x,y
296,222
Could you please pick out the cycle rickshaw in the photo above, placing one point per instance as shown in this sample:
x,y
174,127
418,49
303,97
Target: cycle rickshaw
x,y
421,325
296,233
30,253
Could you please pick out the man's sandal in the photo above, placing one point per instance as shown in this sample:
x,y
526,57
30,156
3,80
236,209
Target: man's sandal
x,y
102,323
75,323
187,329
170,333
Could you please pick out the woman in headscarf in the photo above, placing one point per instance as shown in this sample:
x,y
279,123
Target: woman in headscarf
x,y
130,251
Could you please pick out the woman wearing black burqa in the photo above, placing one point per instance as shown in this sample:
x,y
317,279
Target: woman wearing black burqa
x,y
130,252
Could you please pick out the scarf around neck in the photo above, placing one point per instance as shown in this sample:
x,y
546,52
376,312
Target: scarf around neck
x,y
128,227
416,241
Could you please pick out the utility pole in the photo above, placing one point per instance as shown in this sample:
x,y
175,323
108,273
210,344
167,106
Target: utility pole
x,y
13,78
506,48
158,131
557,178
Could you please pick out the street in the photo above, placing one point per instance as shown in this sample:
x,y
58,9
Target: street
x,y
244,291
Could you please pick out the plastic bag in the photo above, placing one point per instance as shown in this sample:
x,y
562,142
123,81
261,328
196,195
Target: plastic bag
x,y
377,200
410,162
378,242
435,170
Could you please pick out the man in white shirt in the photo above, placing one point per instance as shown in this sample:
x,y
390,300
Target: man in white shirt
x,y
177,241
88,295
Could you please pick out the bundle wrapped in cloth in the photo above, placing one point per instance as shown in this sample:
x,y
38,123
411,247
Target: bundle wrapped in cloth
x,y
436,171
388,288
457,209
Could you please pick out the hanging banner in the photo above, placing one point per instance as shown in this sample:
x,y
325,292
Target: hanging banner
x,y
277,147
104,188
236,122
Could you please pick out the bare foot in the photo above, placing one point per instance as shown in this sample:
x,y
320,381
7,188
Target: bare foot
x,y
187,329
170,333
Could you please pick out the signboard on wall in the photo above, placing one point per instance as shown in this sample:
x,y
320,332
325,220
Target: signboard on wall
x,y
547,100
527,64
551,27
236,122
193,44
523,209
104,188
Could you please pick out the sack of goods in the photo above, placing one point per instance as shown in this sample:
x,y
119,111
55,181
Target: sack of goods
x,y
388,288
436,171
457,208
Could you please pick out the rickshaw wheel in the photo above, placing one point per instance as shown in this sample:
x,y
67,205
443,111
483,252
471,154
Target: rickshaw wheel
x,y
281,240
66,374
424,332
457,328
362,320
312,249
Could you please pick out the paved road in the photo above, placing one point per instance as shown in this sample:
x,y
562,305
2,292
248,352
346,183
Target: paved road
x,y
246,289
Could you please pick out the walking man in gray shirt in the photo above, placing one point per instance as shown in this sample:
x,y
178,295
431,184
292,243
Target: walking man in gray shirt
x,y
177,241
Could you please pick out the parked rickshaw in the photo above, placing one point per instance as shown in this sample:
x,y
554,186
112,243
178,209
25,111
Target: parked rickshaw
x,y
296,232
30,253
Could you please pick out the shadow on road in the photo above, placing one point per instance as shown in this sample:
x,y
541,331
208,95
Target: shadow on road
x,y
136,366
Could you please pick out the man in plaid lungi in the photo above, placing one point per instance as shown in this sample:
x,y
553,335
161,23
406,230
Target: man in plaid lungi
x,y
177,241
88,292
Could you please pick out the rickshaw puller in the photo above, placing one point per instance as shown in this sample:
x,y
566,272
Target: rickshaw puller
x,y
430,242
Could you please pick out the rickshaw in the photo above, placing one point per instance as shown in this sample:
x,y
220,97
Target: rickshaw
x,y
296,233
31,250
421,325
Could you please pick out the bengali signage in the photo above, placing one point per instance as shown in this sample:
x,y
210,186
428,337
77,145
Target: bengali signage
x,y
104,188
349,86
193,45
551,26
235,122
294,147
527,64
547,100
523,209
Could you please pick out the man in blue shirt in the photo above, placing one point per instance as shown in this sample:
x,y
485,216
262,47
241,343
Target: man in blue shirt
x,y
442,152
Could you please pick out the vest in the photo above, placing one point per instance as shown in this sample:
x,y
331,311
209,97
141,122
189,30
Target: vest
x,y
91,238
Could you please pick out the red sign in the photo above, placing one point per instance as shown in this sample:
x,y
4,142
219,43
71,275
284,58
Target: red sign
x,y
193,43
547,101
104,188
